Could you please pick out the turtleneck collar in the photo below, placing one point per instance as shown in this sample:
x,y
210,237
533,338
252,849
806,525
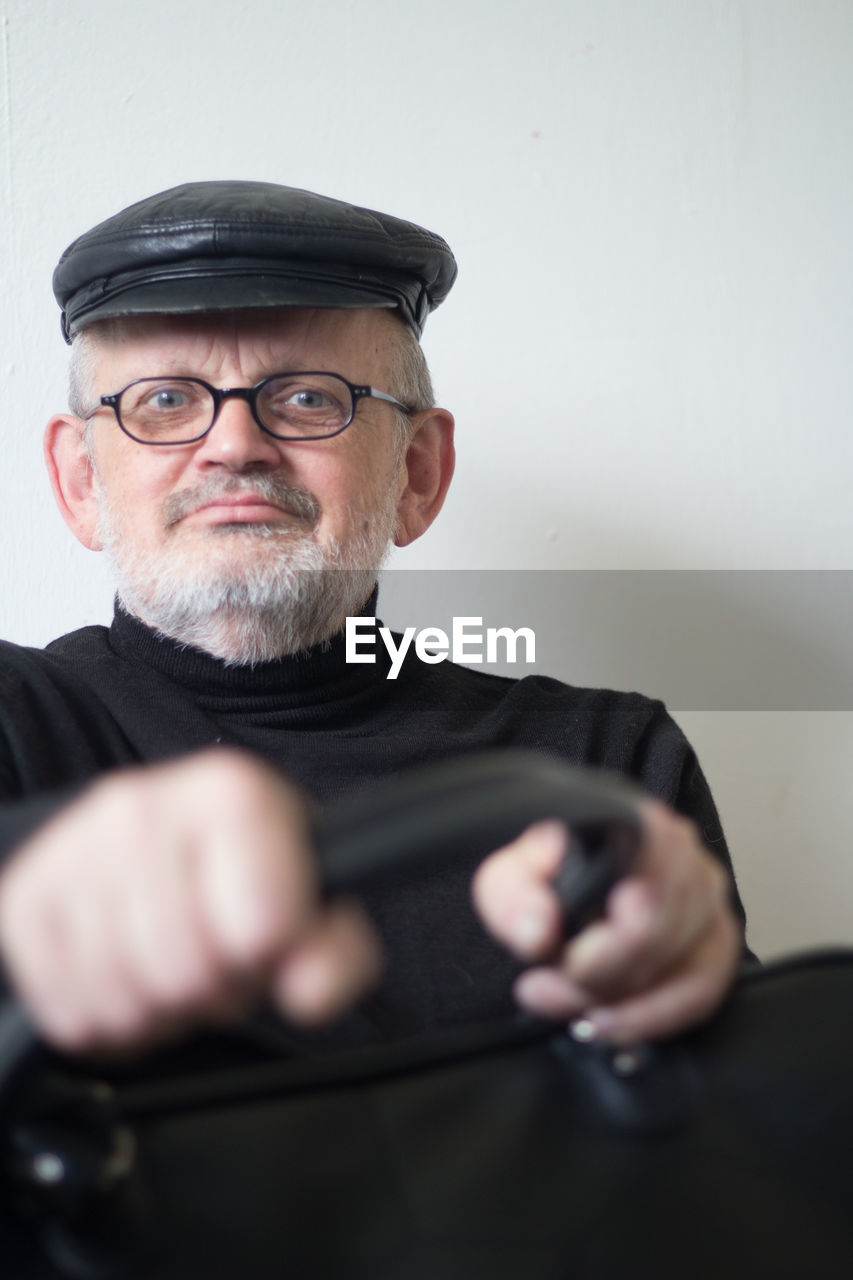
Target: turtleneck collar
x,y
317,674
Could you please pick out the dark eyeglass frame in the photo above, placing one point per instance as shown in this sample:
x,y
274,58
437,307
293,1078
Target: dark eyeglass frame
x,y
250,394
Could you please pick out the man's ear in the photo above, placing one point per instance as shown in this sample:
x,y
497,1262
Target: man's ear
x,y
430,460
72,478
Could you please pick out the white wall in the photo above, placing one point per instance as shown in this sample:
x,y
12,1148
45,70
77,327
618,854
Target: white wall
x,y
647,349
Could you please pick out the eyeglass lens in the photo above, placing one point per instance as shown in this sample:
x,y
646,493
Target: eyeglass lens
x,y
181,409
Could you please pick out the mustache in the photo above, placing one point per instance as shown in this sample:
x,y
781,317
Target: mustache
x,y
287,497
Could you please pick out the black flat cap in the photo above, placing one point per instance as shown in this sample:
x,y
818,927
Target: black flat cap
x,y
216,246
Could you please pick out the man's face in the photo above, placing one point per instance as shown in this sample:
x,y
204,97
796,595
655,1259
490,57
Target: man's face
x,y
189,526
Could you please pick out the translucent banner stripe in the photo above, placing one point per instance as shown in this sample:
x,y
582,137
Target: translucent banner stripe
x,y
703,640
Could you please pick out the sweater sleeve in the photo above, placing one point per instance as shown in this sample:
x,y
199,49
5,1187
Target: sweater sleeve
x,y
54,739
667,765
19,819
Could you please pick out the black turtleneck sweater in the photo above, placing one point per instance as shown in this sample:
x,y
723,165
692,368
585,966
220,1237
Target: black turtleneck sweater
x,y
101,698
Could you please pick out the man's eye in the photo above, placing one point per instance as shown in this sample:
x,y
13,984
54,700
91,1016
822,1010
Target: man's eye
x,y
167,399
308,398
288,403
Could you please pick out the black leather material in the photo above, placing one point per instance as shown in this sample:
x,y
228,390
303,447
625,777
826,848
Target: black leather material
x,y
498,1151
213,246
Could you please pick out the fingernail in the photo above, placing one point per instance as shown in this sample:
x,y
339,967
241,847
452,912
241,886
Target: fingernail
x,y
596,1025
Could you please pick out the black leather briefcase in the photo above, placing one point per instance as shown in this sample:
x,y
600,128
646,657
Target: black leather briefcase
x,y
501,1150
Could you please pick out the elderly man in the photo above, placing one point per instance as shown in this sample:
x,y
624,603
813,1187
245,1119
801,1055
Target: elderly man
x,y
251,426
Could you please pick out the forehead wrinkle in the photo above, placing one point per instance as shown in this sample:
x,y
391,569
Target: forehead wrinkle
x,y
217,348
241,348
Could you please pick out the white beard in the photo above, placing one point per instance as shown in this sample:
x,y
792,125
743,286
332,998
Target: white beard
x,y
253,593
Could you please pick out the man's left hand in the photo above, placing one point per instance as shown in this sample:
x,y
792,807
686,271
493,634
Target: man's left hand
x,y
661,958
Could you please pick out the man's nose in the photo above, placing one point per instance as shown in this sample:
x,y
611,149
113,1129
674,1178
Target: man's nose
x,y
236,441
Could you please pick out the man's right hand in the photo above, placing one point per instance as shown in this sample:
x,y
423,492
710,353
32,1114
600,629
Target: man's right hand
x,y
172,895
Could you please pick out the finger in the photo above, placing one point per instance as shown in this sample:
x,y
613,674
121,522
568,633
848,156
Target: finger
x,y
513,895
35,960
53,943
339,962
653,919
549,993
143,961
165,945
626,951
257,881
689,995
64,975
689,883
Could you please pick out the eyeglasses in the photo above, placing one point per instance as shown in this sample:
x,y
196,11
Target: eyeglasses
x,y
289,406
